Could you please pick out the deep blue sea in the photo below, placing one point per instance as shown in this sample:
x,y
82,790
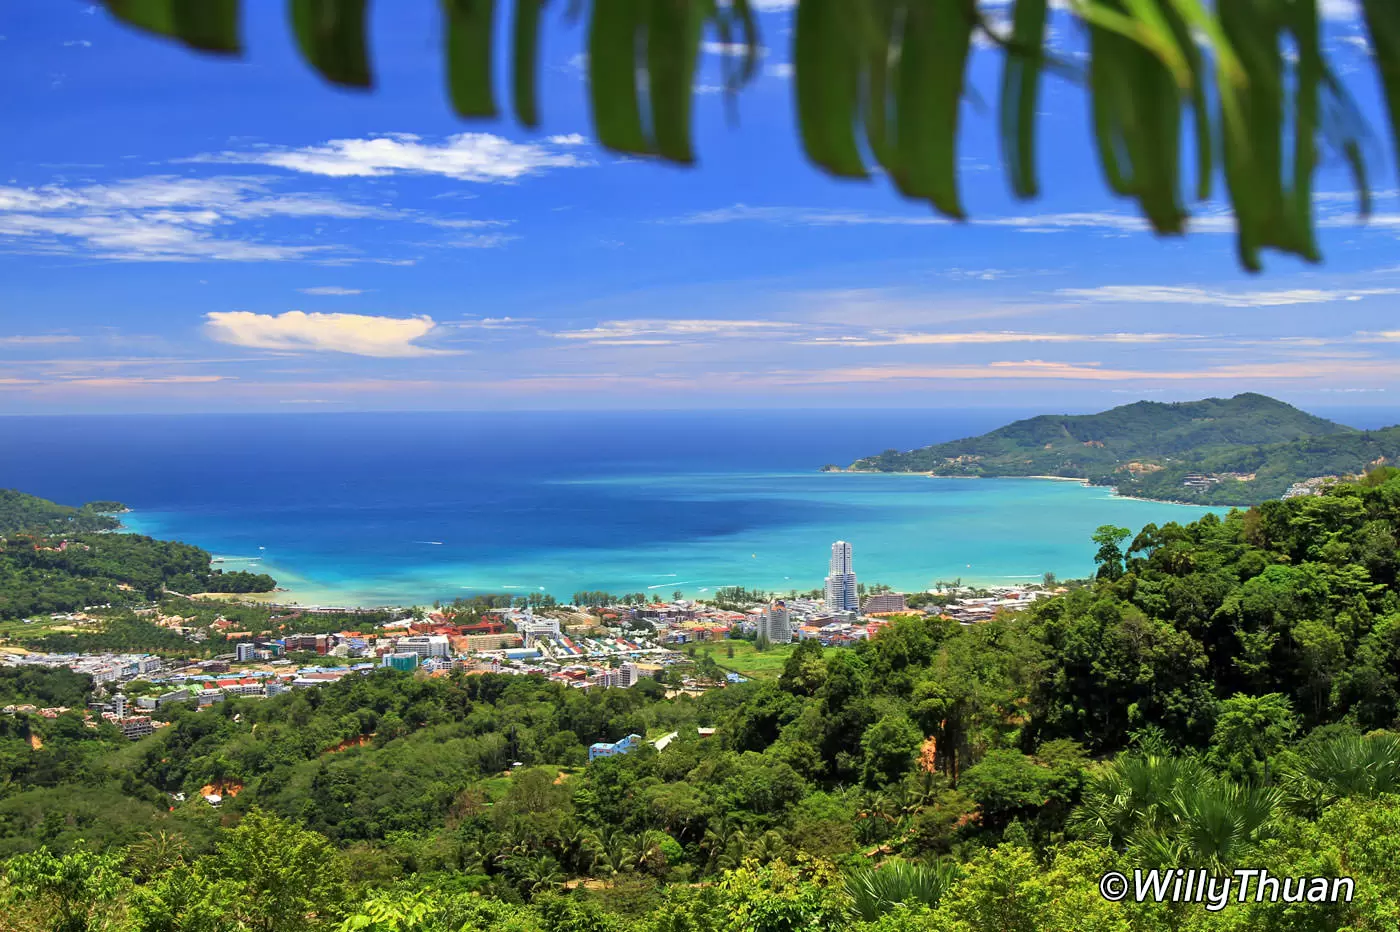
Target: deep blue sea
x,y
410,508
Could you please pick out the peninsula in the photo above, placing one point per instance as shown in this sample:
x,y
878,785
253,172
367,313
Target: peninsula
x,y
1218,451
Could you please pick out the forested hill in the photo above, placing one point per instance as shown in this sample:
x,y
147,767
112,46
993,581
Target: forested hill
x,y
54,558
1147,448
21,512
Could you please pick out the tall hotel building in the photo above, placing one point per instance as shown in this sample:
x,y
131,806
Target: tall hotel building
x,y
841,582
775,624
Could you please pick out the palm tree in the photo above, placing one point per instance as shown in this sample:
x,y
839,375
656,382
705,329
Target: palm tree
x,y
769,847
539,875
724,845
1216,825
611,850
1342,767
1134,794
888,77
1171,811
644,851
156,852
874,891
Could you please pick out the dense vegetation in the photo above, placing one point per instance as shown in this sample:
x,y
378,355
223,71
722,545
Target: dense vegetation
x,y
21,512
58,559
1224,694
1147,448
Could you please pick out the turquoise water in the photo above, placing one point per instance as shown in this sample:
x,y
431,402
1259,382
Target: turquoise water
x,y
907,531
409,509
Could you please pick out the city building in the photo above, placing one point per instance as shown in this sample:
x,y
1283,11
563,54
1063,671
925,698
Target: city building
x,y
884,602
424,646
775,624
136,727
841,590
406,661
318,643
244,652
532,628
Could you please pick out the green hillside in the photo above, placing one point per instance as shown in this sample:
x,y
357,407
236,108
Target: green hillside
x,y
54,558
21,512
1150,448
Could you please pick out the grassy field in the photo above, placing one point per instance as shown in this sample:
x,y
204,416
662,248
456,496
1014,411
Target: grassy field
x,y
747,661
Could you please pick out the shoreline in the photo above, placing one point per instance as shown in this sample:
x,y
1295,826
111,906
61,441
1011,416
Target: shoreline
x,y
297,592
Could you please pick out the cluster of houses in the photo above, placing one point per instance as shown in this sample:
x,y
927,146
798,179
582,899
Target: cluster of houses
x,y
1314,486
973,610
616,646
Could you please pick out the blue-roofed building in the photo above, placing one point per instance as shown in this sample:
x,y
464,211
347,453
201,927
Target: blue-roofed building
x,y
603,749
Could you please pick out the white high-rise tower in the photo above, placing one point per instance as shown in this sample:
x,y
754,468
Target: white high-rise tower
x,y
841,595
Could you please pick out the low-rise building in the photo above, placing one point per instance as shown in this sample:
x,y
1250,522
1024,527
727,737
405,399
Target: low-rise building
x,y
603,749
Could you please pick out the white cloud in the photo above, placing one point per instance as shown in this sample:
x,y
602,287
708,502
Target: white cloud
x,y
167,218
42,339
779,70
1212,221
480,157
490,323
1185,294
986,338
480,241
663,332
568,139
1040,369
357,334
804,216
331,290
77,43
733,49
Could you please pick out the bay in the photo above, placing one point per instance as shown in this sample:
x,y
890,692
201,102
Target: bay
x,y
411,508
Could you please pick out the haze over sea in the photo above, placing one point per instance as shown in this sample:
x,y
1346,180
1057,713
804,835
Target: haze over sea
x,y
408,508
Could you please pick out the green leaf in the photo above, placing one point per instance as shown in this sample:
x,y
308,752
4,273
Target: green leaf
x,y
673,44
207,25
331,34
1309,73
470,38
933,59
613,39
1383,25
1020,86
826,78
881,77
526,40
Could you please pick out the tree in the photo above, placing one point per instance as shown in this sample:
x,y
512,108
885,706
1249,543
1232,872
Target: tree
x,y
1006,784
1249,731
857,66
803,671
889,747
1109,557
72,890
271,875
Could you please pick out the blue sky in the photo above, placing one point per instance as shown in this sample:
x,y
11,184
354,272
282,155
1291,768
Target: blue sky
x,y
190,233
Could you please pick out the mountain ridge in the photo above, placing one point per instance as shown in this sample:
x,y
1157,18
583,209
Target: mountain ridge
x,y
1250,447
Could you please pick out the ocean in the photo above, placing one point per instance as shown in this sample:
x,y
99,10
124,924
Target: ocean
x,y
380,509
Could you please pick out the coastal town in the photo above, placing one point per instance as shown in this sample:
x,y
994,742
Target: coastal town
x,y
609,645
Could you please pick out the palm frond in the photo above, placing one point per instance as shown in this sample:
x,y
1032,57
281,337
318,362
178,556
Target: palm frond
x,y
881,83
